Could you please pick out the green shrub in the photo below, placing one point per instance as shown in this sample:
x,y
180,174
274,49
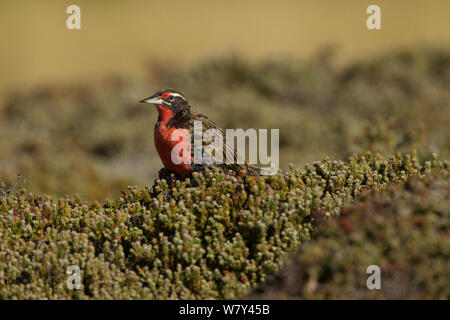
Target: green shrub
x,y
405,231
212,236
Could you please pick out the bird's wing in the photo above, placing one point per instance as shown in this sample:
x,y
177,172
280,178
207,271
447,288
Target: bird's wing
x,y
229,152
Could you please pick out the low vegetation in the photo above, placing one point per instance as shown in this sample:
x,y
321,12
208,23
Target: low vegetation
x,y
213,236
219,235
405,231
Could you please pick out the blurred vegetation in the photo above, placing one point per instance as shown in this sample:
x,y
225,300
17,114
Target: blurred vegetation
x,y
218,235
405,231
213,236
95,139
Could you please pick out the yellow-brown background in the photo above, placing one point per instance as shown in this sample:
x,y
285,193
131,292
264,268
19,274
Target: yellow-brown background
x,y
117,36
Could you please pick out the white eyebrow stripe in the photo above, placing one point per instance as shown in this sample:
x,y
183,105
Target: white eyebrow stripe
x,y
177,95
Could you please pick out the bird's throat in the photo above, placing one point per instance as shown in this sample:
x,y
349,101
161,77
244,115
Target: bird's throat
x,y
164,113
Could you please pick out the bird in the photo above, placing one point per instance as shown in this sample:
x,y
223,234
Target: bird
x,y
174,113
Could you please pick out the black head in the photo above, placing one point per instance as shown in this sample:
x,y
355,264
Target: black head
x,y
171,98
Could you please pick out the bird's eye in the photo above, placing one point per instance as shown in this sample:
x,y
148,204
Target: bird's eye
x,y
171,98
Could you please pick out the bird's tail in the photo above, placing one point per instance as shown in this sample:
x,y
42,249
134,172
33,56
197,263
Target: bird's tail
x,y
262,171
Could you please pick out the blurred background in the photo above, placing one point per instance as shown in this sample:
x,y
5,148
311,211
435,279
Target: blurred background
x,y
70,122
69,117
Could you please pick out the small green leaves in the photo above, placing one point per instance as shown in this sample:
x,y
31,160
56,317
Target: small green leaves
x,y
212,236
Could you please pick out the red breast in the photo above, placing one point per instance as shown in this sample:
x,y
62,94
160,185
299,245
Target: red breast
x,y
164,144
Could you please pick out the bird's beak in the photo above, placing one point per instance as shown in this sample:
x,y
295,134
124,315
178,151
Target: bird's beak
x,y
155,99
